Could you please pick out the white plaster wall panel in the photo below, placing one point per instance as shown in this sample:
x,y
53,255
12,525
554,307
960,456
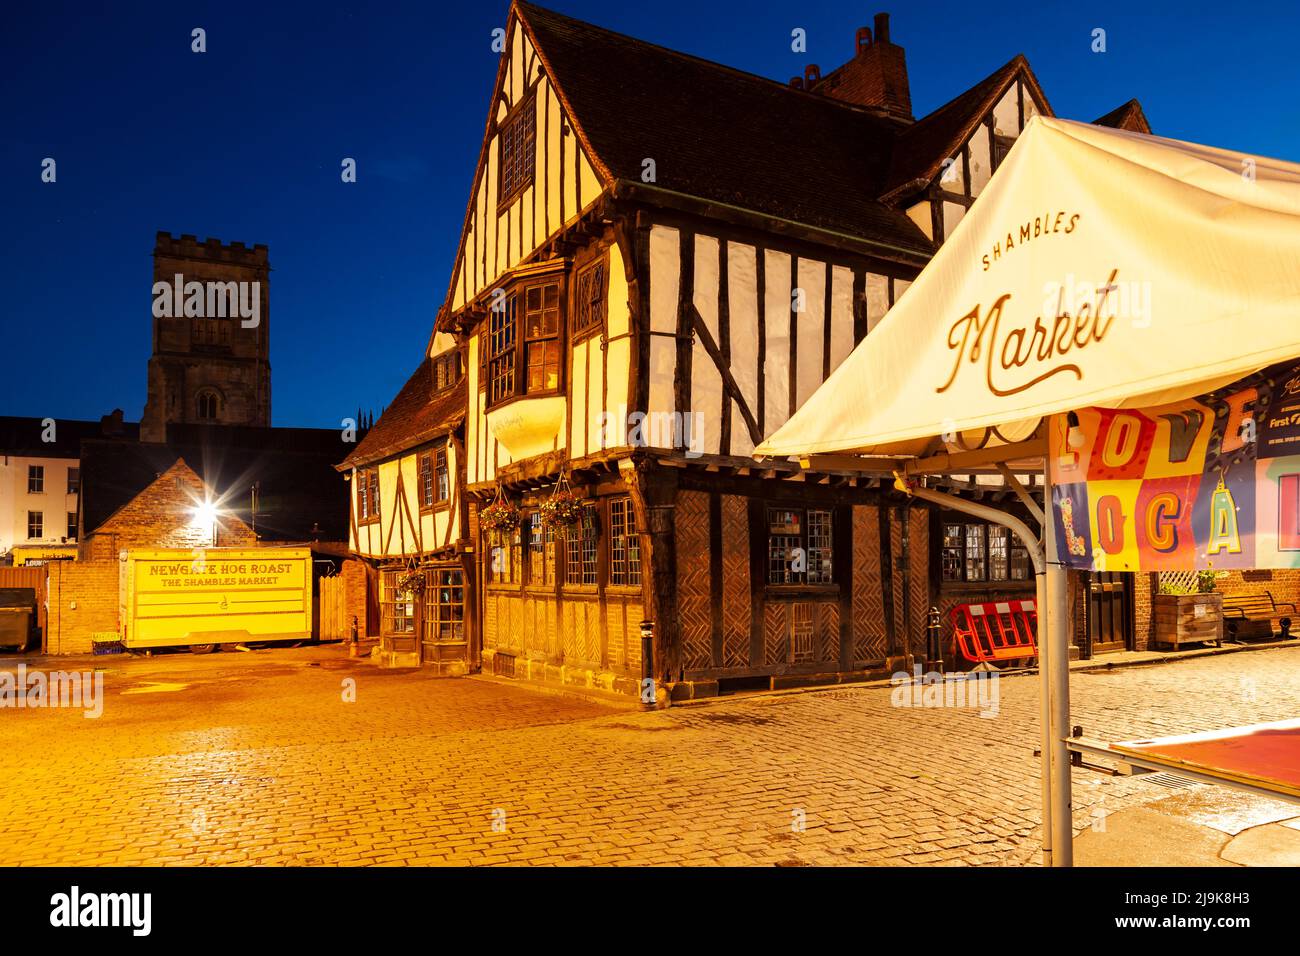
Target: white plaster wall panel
x,y
952,174
617,316
1006,115
491,234
981,160
811,323
921,215
472,434
570,177
590,182
500,245
877,299
540,172
578,392
665,278
900,286
741,443
841,314
743,319
442,342
387,512
527,241
410,511
516,84
952,215
619,345
706,381
1031,108
593,419
552,135
776,356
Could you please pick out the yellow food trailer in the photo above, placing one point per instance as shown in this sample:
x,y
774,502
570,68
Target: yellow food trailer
x,y
204,597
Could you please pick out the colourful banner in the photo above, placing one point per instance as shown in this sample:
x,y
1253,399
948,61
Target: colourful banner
x,y
1211,482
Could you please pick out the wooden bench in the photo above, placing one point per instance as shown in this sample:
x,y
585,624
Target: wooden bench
x,y
1251,616
995,631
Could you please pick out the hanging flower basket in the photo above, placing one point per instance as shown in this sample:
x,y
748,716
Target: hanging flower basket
x,y
500,515
562,509
411,582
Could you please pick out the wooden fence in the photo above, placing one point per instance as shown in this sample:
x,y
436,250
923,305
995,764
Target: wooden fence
x,y
331,610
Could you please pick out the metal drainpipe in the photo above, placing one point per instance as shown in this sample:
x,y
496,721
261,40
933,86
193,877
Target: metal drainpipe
x,y
1037,555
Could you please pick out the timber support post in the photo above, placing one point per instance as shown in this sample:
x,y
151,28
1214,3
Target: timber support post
x,y
653,489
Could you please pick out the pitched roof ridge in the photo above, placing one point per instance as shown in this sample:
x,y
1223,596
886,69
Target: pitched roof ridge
x,y
1128,106
871,112
967,111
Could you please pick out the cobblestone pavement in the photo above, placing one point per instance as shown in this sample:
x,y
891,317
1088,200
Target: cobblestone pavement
x,y
256,758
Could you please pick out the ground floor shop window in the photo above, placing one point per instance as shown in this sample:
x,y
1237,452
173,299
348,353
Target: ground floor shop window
x,y
580,549
541,551
624,544
976,552
506,556
396,606
799,546
444,606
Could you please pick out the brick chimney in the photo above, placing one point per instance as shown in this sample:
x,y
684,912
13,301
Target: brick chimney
x,y
876,76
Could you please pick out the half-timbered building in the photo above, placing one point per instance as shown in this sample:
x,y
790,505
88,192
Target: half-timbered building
x,y
661,259
408,518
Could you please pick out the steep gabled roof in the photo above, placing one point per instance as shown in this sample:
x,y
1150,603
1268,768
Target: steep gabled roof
x,y
723,135
417,414
1129,117
922,147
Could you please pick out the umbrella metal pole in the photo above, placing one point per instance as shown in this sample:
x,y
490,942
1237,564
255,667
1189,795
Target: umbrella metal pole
x,y
1044,714
1054,620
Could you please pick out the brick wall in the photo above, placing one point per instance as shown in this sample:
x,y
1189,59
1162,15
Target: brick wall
x,y
1283,584
1144,588
83,601
354,593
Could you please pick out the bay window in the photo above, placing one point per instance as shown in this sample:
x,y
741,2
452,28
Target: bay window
x,y
523,340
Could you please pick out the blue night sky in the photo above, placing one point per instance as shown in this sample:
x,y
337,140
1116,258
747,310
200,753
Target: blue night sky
x,y
244,143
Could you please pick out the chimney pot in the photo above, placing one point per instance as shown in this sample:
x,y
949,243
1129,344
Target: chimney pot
x,y
812,73
876,77
796,82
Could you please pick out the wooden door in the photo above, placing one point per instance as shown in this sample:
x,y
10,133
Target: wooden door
x,y
1110,611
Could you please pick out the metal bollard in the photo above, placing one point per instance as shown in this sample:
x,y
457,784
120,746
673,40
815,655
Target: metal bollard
x,y
934,641
647,665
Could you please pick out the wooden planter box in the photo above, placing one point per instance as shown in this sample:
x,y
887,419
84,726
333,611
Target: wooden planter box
x,y
1188,619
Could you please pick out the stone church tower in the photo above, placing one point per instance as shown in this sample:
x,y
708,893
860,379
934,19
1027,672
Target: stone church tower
x,y
211,336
